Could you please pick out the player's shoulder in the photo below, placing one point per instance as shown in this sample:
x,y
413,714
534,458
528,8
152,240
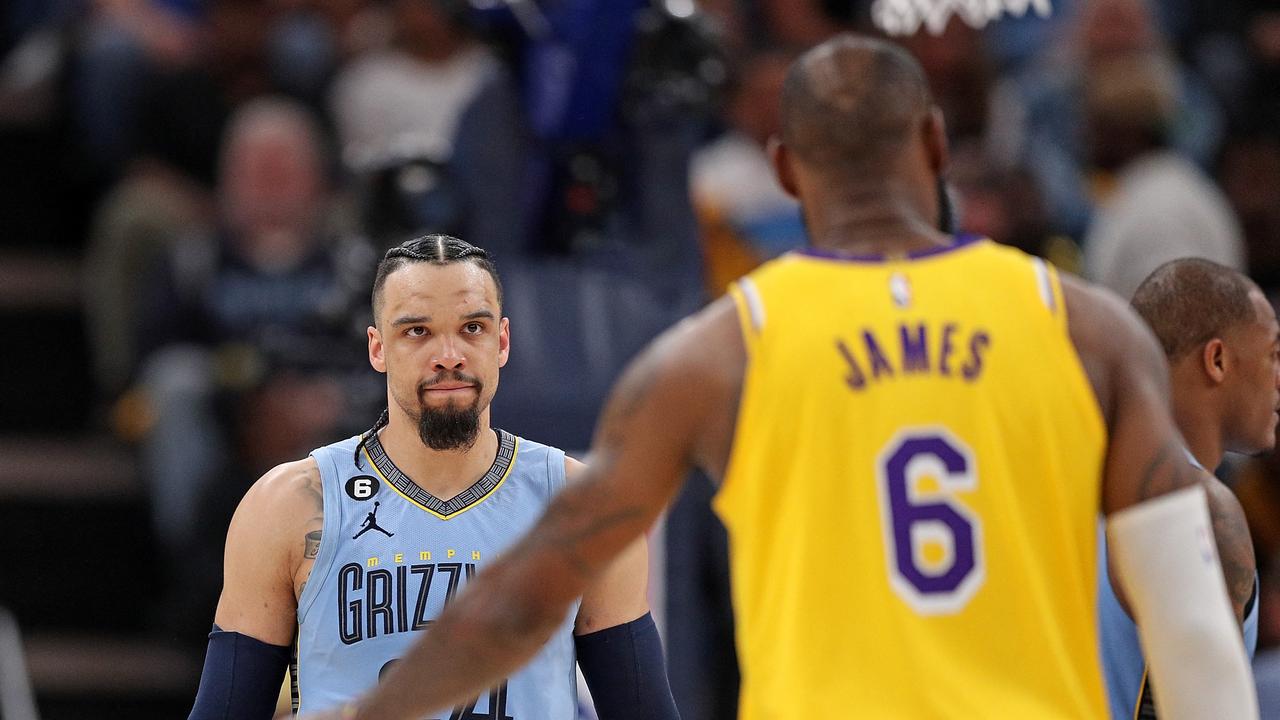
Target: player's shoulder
x,y
279,489
1088,300
1119,353
573,468
1105,326
1225,507
1222,501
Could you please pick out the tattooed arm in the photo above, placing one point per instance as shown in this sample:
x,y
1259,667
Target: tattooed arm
x,y
1130,378
1158,523
1235,546
271,545
653,428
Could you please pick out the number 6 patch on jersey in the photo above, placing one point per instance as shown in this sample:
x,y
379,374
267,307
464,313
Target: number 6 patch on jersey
x,y
362,487
933,542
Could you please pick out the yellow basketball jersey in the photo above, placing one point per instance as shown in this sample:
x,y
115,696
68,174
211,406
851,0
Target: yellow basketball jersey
x,y
912,495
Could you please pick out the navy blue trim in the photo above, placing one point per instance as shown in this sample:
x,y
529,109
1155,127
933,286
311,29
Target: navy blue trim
x,y
961,241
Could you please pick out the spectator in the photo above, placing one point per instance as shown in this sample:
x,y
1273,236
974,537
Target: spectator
x,y
406,101
745,216
1040,109
246,337
432,127
1162,206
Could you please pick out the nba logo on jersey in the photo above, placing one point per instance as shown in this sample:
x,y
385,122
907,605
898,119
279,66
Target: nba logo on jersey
x,y
900,290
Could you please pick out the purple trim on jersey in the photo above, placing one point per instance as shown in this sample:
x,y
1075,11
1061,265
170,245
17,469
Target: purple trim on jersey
x,y
963,240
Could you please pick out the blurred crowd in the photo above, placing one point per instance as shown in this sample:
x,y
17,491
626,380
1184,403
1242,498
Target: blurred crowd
x,y
230,170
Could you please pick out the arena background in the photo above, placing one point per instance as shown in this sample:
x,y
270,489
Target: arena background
x,y
193,194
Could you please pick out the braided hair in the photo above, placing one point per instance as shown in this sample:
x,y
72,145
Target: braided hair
x,y
437,249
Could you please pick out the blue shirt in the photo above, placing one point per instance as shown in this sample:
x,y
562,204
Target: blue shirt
x,y
392,555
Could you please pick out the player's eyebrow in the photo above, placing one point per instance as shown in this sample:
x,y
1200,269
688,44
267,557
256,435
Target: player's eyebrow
x,y
478,314
411,320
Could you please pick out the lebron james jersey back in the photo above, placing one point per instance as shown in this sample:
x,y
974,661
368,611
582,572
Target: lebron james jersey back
x,y
392,556
913,490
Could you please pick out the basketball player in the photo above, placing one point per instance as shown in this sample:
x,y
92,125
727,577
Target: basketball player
x,y
913,435
347,553
1222,341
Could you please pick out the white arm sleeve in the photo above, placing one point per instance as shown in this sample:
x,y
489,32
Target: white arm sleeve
x,y
1166,562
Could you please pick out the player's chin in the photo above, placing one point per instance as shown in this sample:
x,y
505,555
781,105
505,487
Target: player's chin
x,y
1266,442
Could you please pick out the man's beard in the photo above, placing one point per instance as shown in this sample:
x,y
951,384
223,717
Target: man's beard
x,y
450,427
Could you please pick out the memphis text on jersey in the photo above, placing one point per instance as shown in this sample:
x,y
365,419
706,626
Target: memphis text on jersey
x,y
919,348
398,593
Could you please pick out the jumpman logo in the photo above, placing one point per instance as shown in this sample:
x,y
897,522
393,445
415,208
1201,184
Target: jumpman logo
x,y
371,523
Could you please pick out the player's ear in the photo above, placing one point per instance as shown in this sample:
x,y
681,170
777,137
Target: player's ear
x,y
376,357
1214,359
780,157
934,130
504,341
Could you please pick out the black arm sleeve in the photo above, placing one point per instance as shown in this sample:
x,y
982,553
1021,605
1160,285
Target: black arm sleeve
x,y
625,672
241,678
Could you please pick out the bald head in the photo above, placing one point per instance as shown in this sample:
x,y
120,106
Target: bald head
x,y
1189,302
851,103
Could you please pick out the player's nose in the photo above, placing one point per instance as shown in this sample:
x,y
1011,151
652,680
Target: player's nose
x,y
449,357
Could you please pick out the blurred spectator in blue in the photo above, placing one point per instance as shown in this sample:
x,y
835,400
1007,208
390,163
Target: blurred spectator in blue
x,y
251,347
745,215
1156,205
1044,104
615,95
1015,41
122,43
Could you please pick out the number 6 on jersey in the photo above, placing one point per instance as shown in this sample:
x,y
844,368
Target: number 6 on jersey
x,y
933,542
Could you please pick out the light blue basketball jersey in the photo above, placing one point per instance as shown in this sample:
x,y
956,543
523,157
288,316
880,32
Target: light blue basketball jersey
x,y
392,555
1123,665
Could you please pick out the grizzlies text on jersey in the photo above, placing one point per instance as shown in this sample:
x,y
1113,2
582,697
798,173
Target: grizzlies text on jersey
x,y
912,492
392,555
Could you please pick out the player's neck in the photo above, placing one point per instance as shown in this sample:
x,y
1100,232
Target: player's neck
x,y
1199,426
870,222
443,473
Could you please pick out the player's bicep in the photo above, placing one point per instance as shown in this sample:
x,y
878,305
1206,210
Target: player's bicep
x,y
257,597
618,595
1146,455
1235,546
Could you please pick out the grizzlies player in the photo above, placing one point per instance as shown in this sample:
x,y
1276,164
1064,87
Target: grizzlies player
x,y
1219,334
913,435
348,553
